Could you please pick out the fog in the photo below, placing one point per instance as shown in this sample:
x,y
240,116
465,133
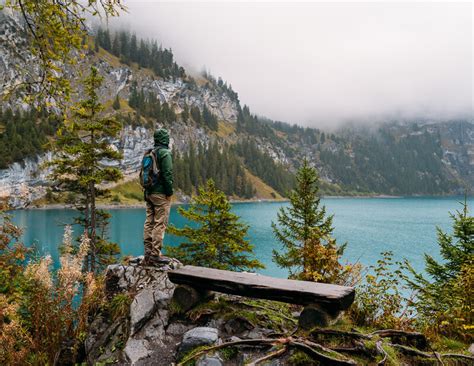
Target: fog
x,y
322,63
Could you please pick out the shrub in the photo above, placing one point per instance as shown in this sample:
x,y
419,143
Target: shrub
x,y
379,302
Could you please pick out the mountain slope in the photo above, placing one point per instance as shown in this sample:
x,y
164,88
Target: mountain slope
x,y
392,158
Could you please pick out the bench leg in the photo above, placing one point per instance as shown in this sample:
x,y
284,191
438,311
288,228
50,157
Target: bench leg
x,y
186,297
315,315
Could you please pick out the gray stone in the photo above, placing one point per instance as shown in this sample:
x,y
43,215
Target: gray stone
x,y
196,337
142,309
209,361
137,349
313,316
471,349
176,329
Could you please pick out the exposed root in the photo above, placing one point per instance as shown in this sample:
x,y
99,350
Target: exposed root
x,y
409,351
332,356
339,333
269,356
313,349
381,351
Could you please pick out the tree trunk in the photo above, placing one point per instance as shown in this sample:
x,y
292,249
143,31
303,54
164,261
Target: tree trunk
x,y
93,227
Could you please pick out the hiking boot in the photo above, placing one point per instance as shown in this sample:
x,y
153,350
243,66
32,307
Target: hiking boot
x,y
152,261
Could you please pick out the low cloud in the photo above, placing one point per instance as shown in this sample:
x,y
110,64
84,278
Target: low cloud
x,y
321,63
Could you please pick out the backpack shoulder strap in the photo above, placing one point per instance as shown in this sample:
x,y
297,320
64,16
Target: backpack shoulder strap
x,y
154,157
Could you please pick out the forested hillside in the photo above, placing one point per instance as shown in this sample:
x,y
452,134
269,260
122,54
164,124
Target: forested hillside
x,y
214,136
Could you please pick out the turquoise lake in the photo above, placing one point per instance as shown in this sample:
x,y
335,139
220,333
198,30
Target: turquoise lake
x,y
405,226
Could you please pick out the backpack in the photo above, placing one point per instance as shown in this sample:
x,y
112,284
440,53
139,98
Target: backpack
x,y
149,170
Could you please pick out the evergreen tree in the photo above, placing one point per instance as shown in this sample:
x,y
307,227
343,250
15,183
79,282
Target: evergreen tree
x,y
185,113
218,238
116,103
305,231
196,114
445,302
81,148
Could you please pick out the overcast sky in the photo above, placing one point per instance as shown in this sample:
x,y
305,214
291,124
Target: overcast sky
x,y
320,63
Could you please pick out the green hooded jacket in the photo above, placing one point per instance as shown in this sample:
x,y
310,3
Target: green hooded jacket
x,y
165,163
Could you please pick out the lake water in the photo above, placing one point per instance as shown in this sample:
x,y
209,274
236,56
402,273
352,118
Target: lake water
x,y
405,226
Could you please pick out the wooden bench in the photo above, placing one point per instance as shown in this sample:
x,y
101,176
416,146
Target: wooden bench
x,y
319,299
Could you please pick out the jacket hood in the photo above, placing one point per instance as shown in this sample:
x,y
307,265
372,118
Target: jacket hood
x,y
161,137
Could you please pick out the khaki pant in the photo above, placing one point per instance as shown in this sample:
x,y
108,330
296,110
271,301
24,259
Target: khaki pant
x,y
157,214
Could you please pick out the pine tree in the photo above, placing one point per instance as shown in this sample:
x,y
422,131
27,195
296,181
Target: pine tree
x,y
445,302
81,148
218,239
305,231
116,103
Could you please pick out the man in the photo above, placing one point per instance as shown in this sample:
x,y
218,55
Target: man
x,y
158,202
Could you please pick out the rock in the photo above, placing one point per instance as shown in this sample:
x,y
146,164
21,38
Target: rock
x,y
237,325
186,297
257,333
137,349
142,309
135,261
144,306
209,361
196,337
313,316
175,329
471,349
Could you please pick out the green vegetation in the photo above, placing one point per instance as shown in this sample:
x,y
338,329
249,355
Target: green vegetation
x,y
217,239
379,301
444,303
216,162
310,252
147,54
383,162
24,134
56,37
81,147
264,166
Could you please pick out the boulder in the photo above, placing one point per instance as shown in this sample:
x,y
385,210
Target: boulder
x,y
313,316
186,297
209,361
471,349
136,350
142,309
196,337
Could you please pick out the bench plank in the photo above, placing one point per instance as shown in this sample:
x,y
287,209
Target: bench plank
x,y
264,287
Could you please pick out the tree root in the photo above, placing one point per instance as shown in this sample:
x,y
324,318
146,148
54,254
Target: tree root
x,y
339,333
330,356
268,356
413,338
313,349
381,351
409,351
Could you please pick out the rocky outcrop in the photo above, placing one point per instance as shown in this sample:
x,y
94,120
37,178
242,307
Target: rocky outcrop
x,y
140,334
151,330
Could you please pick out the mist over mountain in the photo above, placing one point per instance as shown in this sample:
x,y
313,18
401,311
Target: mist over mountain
x,y
322,64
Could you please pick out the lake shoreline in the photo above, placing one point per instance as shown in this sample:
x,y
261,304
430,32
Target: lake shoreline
x,y
118,206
